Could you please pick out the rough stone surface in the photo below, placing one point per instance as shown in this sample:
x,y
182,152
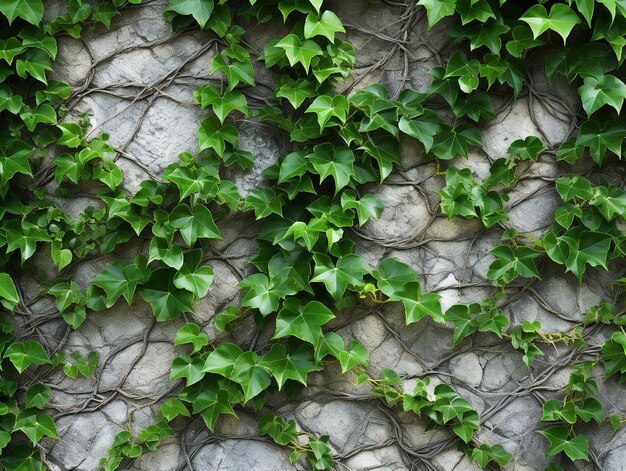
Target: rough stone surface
x,y
135,82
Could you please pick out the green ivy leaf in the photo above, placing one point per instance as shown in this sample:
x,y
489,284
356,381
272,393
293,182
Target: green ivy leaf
x,y
577,248
348,270
34,62
190,333
326,25
338,162
212,135
43,114
222,360
484,454
356,355
8,292
193,181
222,105
393,276
36,396
368,207
438,9
24,354
252,377
172,408
510,265
298,51
258,292
236,71
302,321
187,367
527,149
295,91
220,403
452,142
167,302
194,224
29,10
170,254
224,320
614,354
522,40
200,9
596,92
286,365
264,201
36,426
561,19
576,448
326,107
599,139
193,277
121,279
72,135
8,101
464,324
281,432
385,150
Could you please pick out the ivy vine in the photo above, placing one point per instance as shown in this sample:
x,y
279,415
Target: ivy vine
x,y
307,271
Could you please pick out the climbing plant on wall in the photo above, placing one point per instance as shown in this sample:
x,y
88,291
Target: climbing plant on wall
x,y
307,272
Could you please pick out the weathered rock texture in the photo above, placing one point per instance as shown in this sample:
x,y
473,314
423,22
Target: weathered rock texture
x,y
135,82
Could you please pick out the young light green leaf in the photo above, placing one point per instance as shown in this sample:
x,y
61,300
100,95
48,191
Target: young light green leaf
x,y
596,92
348,271
200,9
24,354
298,51
285,365
302,321
191,333
252,377
187,367
326,25
561,19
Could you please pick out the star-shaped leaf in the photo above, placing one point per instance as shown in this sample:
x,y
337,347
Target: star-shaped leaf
x,y
614,354
194,224
252,377
260,293
302,321
191,333
326,25
187,367
222,360
29,10
286,365
561,19
325,107
24,354
349,270
200,9
192,276
212,135
328,160
36,426
298,51
437,9
167,301
368,207
596,92
576,447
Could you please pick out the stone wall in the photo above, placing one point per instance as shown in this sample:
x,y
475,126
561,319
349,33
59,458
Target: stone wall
x,y
135,82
